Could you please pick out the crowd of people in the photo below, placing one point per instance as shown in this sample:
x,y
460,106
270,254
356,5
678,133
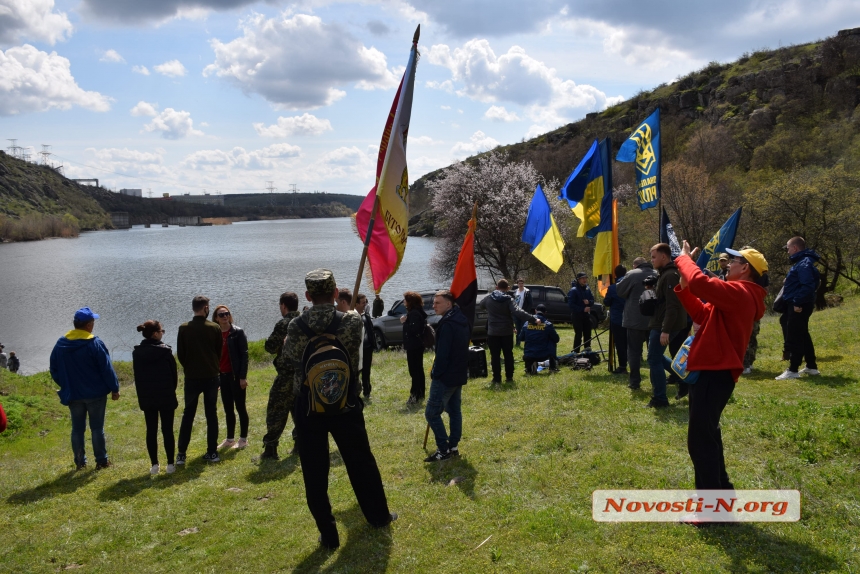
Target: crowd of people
x,y
323,359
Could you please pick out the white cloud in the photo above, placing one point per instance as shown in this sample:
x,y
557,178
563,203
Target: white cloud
x,y
135,12
32,20
133,163
173,124
303,125
445,107
445,86
269,157
500,114
171,69
204,124
424,140
144,109
35,81
142,70
479,142
299,62
113,57
518,78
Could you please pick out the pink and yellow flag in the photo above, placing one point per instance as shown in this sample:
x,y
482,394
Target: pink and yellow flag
x,y
388,236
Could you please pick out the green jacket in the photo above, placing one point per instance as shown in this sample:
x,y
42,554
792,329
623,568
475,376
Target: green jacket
x,y
198,348
670,314
275,345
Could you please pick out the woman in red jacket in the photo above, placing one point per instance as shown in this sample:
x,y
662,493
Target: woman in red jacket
x,y
718,350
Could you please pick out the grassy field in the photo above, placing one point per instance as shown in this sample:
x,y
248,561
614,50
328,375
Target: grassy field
x,y
518,500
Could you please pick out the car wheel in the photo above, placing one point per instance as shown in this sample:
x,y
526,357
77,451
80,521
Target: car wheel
x,y
380,339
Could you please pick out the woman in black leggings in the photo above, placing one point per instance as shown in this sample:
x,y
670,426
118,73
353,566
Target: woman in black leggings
x,y
155,379
234,370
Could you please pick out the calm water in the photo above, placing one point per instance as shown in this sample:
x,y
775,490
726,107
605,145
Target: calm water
x,y
131,276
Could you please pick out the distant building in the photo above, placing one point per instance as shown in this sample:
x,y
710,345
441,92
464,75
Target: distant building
x,y
205,199
120,220
132,192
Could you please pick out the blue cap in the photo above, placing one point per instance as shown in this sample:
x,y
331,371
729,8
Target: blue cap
x,y
85,314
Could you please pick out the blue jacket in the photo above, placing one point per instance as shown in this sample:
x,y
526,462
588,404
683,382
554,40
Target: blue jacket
x,y
802,279
615,303
540,340
451,365
577,295
81,367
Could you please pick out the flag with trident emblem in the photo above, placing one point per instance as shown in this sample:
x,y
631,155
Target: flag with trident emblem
x,y
643,147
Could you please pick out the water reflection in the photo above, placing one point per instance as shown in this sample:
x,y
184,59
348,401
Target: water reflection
x,y
138,274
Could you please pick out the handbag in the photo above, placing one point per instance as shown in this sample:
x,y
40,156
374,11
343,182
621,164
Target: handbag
x,y
679,363
779,304
428,337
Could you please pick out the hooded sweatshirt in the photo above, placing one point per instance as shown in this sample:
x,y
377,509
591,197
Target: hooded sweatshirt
x,y
81,367
726,320
451,365
501,310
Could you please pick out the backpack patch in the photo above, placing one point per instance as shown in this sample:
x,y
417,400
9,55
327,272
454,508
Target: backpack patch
x,y
326,366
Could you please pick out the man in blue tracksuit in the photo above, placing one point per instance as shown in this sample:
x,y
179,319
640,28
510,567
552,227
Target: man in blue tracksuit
x,y
798,292
579,300
81,367
540,342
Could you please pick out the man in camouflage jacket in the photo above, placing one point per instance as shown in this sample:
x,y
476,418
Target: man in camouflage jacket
x,y
281,394
347,428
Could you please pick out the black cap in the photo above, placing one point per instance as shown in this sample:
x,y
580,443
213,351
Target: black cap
x,y
580,275
541,308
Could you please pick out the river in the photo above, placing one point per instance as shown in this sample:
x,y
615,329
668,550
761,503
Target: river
x,y
129,276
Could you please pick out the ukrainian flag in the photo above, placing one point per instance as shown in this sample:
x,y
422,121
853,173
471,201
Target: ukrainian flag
x,y
606,248
542,233
584,191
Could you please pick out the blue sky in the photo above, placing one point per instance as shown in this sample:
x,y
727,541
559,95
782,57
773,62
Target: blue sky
x,y
225,95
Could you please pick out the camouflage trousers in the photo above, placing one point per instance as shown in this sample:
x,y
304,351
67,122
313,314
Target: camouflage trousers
x,y
752,348
278,410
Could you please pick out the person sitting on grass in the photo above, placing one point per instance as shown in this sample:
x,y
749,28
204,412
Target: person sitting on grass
x,y
540,342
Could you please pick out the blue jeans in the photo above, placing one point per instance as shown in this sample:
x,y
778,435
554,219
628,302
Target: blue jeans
x,y
444,399
655,363
95,408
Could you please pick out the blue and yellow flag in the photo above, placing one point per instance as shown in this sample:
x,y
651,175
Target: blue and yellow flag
x,y
542,233
725,237
643,147
584,191
606,249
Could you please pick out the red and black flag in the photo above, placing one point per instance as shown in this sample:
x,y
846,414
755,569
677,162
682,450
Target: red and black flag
x,y
465,283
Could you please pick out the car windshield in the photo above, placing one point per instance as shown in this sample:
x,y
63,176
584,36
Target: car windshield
x,y
399,308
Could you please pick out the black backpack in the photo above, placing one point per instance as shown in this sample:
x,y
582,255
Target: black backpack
x,y
648,302
326,367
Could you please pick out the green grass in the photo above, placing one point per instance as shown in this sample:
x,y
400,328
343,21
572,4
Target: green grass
x,y
532,455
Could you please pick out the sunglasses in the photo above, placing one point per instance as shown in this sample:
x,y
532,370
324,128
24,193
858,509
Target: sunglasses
x,y
224,314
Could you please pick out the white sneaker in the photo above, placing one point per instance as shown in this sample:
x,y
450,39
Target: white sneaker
x,y
226,443
171,469
808,371
241,443
154,469
787,375
747,370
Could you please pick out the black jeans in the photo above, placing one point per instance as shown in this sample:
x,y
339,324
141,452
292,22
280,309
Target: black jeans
x,y
499,344
635,339
798,341
415,361
151,418
582,330
350,436
619,338
708,397
193,389
233,394
367,363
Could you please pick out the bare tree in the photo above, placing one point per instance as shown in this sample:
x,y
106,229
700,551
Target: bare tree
x,y
503,192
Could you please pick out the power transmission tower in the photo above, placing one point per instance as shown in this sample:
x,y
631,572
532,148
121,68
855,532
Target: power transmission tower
x,y
45,153
14,149
149,192
271,187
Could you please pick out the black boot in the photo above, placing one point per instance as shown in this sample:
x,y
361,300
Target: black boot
x,y
270,452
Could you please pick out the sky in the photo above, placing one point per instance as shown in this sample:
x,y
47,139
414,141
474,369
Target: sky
x,y
225,96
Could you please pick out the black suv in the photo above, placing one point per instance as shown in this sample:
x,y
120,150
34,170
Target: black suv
x,y
388,329
553,298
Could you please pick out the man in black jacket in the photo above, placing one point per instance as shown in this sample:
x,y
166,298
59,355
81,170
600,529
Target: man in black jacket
x,y
579,300
367,345
501,311
198,348
448,375
635,322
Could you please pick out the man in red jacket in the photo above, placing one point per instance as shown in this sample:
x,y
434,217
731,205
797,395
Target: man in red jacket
x,y
726,323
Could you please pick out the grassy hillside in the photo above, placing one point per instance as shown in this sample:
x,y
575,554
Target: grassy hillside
x,y
518,500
